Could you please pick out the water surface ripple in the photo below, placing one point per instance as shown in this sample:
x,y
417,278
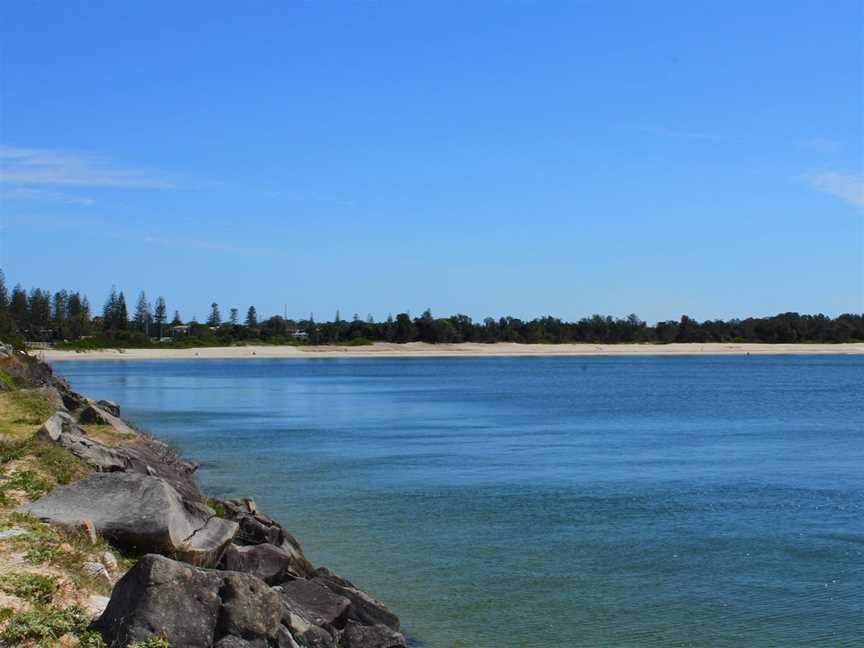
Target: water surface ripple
x,y
546,502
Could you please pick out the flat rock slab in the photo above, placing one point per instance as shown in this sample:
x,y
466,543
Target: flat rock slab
x,y
321,606
138,512
268,562
93,414
364,609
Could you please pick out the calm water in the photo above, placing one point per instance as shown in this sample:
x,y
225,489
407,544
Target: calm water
x,y
498,503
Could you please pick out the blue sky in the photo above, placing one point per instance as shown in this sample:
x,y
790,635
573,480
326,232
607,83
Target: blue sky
x,y
488,158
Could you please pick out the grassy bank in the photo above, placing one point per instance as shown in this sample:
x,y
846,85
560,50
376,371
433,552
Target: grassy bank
x,y
48,587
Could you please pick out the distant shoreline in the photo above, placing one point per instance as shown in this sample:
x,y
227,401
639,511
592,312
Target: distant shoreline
x,y
466,349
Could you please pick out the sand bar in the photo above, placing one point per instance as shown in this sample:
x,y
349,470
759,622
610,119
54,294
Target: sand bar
x,y
467,349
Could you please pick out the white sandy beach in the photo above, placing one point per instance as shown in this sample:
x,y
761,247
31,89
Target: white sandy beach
x,y
420,349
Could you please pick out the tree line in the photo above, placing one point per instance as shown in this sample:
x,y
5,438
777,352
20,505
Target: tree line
x,y
65,317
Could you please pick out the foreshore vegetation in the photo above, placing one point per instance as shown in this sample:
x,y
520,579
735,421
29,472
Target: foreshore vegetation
x,y
65,319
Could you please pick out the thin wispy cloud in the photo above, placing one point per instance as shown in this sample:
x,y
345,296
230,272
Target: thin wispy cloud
x,y
30,194
138,235
29,166
847,187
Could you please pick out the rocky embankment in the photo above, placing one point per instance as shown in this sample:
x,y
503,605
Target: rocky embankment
x,y
211,573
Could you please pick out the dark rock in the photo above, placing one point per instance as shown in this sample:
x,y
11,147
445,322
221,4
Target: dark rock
x,y
232,642
284,639
109,406
320,605
254,532
364,609
190,607
140,513
256,529
250,609
303,631
161,597
374,636
266,561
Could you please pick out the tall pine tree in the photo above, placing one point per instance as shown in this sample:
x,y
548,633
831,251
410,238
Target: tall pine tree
x,y
122,313
215,318
160,314
4,294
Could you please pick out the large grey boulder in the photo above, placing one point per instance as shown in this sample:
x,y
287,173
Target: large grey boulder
x,y
62,430
364,609
266,561
190,607
140,513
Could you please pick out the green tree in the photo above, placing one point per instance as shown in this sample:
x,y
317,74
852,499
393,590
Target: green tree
x,y
251,317
142,314
39,309
405,331
78,316
111,311
234,317
60,314
122,317
215,318
4,294
160,314
177,321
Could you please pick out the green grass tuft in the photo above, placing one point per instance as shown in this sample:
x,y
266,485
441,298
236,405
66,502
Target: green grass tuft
x,y
153,642
35,588
29,482
45,624
217,507
91,640
7,382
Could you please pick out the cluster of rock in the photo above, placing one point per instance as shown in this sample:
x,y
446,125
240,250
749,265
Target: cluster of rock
x,y
236,579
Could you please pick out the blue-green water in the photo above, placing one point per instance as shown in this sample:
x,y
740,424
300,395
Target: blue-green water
x,y
554,502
